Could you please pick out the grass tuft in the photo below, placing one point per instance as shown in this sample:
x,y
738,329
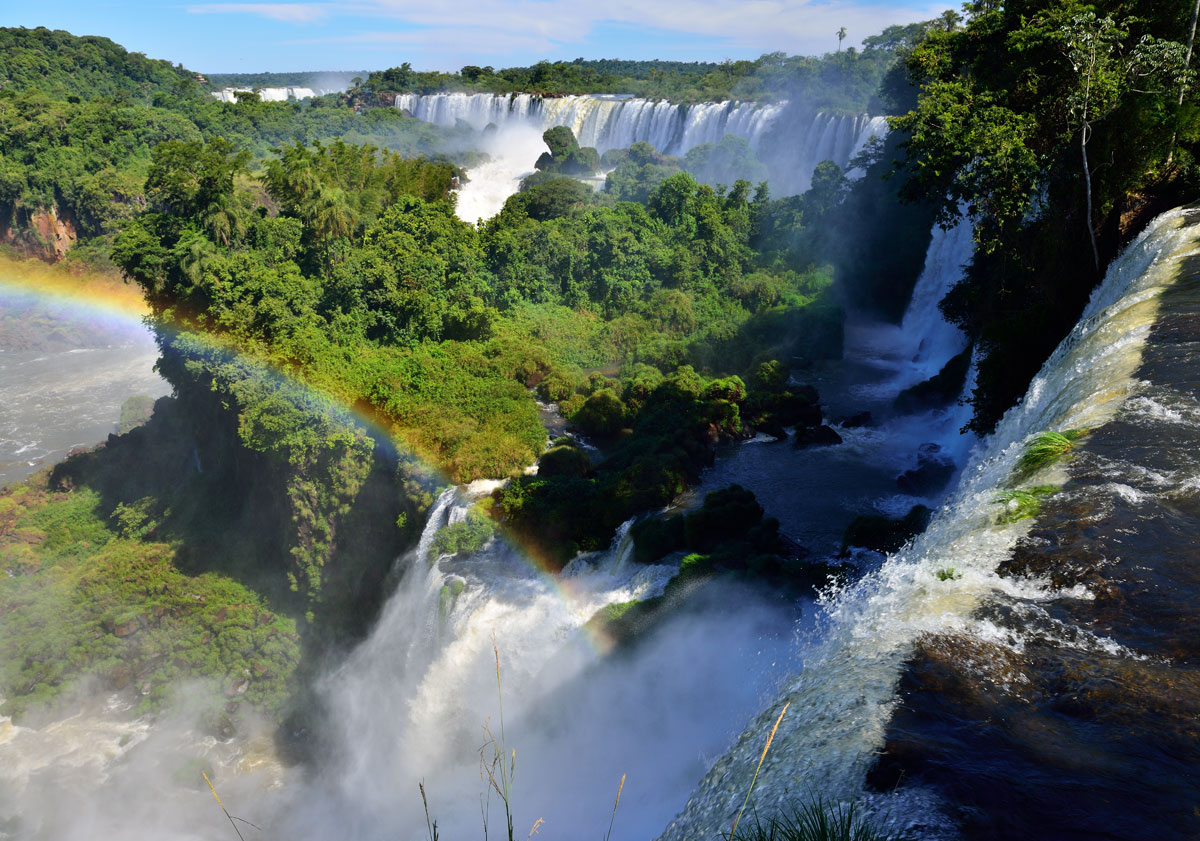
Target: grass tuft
x,y
1045,448
1023,504
817,820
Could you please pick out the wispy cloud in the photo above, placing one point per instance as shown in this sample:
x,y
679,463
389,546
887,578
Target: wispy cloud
x,y
285,12
497,29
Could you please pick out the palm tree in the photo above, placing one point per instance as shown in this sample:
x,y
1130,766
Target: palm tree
x,y
841,34
329,214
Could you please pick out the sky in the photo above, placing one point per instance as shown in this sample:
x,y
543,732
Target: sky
x,y
227,37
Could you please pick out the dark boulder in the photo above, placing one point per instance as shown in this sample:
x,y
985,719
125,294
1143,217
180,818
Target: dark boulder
x,y
942,389
931,475
856,421
815,436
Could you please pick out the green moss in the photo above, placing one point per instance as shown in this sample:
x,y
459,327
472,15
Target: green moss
x,y
134,412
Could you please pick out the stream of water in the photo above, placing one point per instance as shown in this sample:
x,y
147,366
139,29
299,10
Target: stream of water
x,y
64,374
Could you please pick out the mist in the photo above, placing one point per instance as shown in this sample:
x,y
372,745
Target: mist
x,y
410,704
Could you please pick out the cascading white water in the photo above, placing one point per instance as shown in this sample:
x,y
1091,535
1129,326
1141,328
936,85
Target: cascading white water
x,y
270,94
411,701
841,700
791,141
512,151
616,122
924,341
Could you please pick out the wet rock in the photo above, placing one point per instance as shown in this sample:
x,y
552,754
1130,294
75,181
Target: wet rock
x,y
933,472
883,534
773,428
939,390
857,421
127,629
815,436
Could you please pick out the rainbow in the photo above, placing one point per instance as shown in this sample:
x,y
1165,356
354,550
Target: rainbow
x,y
108,299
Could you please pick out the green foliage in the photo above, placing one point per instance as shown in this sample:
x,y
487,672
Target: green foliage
x,y
948,574
1057,125
58,63
134,412
847,79
726,513
724,162
464,537
564,461
565,156
83,601
656,537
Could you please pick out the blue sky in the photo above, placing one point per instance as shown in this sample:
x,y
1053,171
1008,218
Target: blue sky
x,y
221,36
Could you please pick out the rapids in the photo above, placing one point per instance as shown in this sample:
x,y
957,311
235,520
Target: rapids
x,y
63,377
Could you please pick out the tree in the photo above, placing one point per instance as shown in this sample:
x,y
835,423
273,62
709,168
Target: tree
x,y
841,36
1183,83
1103,74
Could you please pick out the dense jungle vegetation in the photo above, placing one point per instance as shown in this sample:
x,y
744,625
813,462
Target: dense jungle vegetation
x,y
846,80
1062,127
317,300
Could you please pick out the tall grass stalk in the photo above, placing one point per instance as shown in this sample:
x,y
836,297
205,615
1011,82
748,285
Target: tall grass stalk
x,y
506,771
430,828
217,797
754,780
616,803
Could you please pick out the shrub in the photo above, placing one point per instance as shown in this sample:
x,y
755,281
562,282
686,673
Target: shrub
x,y
463,537
602,415
653,538
727,513
564,461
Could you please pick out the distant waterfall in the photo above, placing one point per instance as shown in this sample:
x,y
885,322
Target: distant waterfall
x,y
790,139
269,94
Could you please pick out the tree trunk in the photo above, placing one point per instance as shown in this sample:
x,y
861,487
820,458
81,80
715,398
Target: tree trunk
x,y
1087,180
1187,62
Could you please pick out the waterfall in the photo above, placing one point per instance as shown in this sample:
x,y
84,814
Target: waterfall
x,y
270,94
790,139
842,699
410,702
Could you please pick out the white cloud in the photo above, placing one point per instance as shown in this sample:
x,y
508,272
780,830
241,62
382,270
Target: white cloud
x,y
524,27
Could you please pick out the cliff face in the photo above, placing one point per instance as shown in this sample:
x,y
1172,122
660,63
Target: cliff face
x,y
44,234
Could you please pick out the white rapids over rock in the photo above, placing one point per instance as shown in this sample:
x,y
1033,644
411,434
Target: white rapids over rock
x,y
841,699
